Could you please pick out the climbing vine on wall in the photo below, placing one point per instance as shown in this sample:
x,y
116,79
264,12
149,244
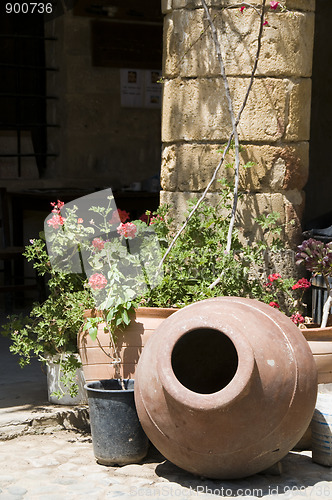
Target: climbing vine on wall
x,y
233,140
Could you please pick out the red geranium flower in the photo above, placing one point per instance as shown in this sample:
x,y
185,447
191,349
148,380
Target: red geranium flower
x,y
98,243
127,230
273,277
119,214
156,219
97,281
302,283
274,304
144,218
56,221
297,318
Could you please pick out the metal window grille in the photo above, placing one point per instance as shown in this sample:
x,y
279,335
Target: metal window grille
x,y
23,96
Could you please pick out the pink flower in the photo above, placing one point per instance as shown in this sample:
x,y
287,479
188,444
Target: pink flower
x,y
98,243
265,23
273,277
124,216
242,8
79,220
274,5
156,219
119,214
97,281
302,283
274,304
56,221
57,205
297,318
127,230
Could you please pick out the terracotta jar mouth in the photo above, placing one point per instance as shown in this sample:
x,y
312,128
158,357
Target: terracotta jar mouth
x,y
206,367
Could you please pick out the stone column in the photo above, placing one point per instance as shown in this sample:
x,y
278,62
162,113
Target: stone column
x,y
274,128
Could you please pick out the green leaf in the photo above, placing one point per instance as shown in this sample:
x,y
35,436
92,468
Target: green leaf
x,y
93,331
125,317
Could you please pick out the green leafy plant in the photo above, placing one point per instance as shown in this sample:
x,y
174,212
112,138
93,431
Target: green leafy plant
x,y
317,258
279,288
51,326
119,263
199,256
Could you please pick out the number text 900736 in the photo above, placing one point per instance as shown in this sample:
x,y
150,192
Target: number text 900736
x,y
28,8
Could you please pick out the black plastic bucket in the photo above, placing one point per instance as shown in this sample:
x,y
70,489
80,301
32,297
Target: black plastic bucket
x,y
117,435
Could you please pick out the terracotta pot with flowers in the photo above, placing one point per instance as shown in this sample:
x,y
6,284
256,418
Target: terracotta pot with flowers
x,y
49,331
131,293
104,283
317,258
120,260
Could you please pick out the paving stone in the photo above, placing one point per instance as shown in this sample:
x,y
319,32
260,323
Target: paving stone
x,y
17,490
66,469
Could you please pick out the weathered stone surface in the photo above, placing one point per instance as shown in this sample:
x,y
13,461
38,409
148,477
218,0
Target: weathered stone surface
x,y
190,51
166,6
194,4
306,5
197,109
289,205
298,126
189,167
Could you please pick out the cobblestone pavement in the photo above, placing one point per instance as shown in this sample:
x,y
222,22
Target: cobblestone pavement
x,y
61,465
45,462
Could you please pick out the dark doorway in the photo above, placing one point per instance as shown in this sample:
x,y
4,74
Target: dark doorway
x,y
318,188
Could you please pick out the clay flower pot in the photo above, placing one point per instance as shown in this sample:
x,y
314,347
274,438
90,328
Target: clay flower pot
x,y
54,384
320,343
226,387
130,341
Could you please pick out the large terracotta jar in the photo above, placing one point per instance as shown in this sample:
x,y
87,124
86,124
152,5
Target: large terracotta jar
x,y
226,387
95,356
320,343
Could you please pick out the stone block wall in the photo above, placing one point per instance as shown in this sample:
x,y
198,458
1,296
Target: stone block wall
x,y
275,125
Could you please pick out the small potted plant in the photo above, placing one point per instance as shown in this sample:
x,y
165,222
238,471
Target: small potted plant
x,y
120,261
49,331
112,268
317,258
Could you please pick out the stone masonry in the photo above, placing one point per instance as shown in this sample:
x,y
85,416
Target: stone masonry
x,y
275,125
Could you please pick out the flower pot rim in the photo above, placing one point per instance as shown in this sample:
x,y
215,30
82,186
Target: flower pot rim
x,y
105,391
142,311
317,333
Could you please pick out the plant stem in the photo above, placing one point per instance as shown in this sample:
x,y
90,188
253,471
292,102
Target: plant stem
x,y
233,121
328,303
